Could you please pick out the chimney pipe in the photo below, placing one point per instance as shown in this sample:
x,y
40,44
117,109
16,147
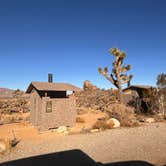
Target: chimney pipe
x,y
128,83
50,77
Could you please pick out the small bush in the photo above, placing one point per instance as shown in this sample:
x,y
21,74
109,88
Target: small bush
x,y
80,120
124,114
102,125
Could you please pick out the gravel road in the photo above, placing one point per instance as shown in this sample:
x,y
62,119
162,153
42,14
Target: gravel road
x,y
146,143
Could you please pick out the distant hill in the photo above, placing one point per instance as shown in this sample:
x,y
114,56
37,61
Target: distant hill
x,y
9,93
6,93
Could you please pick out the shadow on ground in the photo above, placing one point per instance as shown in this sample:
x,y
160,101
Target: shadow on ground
x,y
68,158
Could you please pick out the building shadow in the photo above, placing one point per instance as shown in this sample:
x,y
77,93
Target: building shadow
x,y
68,158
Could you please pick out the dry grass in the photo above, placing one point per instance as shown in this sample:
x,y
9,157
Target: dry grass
x,y
14,118
80,120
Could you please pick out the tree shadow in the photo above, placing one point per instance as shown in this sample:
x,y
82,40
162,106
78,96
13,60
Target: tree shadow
x,y
68,158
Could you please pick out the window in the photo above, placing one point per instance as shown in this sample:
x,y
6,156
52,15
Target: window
x,y
49,106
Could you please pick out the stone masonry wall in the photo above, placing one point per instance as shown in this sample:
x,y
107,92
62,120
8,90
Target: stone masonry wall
x,y
63,113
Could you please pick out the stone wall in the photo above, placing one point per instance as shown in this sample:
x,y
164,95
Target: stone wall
x,y
63,113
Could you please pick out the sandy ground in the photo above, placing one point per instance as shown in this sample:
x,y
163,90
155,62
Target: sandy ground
x,y
146,143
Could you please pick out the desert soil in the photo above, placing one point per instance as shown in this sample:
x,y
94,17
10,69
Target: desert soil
x,y
146,143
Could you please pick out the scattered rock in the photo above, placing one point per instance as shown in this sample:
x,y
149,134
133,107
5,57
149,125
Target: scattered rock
x,y
61,129
150,120
85,130
142,120
3,146
113,123
94,130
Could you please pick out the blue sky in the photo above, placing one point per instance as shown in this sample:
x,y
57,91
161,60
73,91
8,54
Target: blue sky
x,y
71,39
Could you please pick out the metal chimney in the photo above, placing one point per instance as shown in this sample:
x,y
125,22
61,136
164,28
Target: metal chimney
x,y
128,83
50,77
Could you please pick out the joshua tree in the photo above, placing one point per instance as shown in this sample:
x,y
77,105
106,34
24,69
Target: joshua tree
x,y
161,80
117,76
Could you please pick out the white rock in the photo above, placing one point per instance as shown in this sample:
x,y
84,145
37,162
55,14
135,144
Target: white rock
x,y
94,130
62,129
114,121
3,146
150,120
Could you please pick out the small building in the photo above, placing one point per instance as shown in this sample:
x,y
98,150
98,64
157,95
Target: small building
x,y
52,104
136,90
136,93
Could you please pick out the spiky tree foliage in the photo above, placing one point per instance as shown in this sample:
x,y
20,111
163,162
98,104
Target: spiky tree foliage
x,y
161,80
117,76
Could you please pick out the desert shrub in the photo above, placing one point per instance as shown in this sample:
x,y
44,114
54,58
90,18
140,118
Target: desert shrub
x,y
124,114
80,120
10,106
102,125
96,99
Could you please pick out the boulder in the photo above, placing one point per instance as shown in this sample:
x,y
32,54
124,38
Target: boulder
x,y
150,120
113,123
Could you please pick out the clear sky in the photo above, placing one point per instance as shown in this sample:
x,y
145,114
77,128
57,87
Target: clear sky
x,y
71,39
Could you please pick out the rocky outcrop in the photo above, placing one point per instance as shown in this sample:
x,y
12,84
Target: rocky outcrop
x,y
89,86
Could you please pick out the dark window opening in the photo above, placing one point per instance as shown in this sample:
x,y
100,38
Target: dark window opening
x,y
53,94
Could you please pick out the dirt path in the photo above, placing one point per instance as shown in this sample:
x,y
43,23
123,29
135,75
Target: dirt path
x,y
146,143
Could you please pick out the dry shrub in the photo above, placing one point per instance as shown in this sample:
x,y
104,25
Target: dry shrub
x,y
124,114
10,119
102,125
81,111
80,120
96,99
4,146
7,119
14,105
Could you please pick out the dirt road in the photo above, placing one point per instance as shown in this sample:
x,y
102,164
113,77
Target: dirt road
x,y
146,143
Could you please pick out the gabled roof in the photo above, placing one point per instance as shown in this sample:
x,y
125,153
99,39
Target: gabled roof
x,y
46,86
139,87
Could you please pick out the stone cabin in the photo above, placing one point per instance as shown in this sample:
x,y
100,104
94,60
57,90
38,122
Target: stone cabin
x,y
52,104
